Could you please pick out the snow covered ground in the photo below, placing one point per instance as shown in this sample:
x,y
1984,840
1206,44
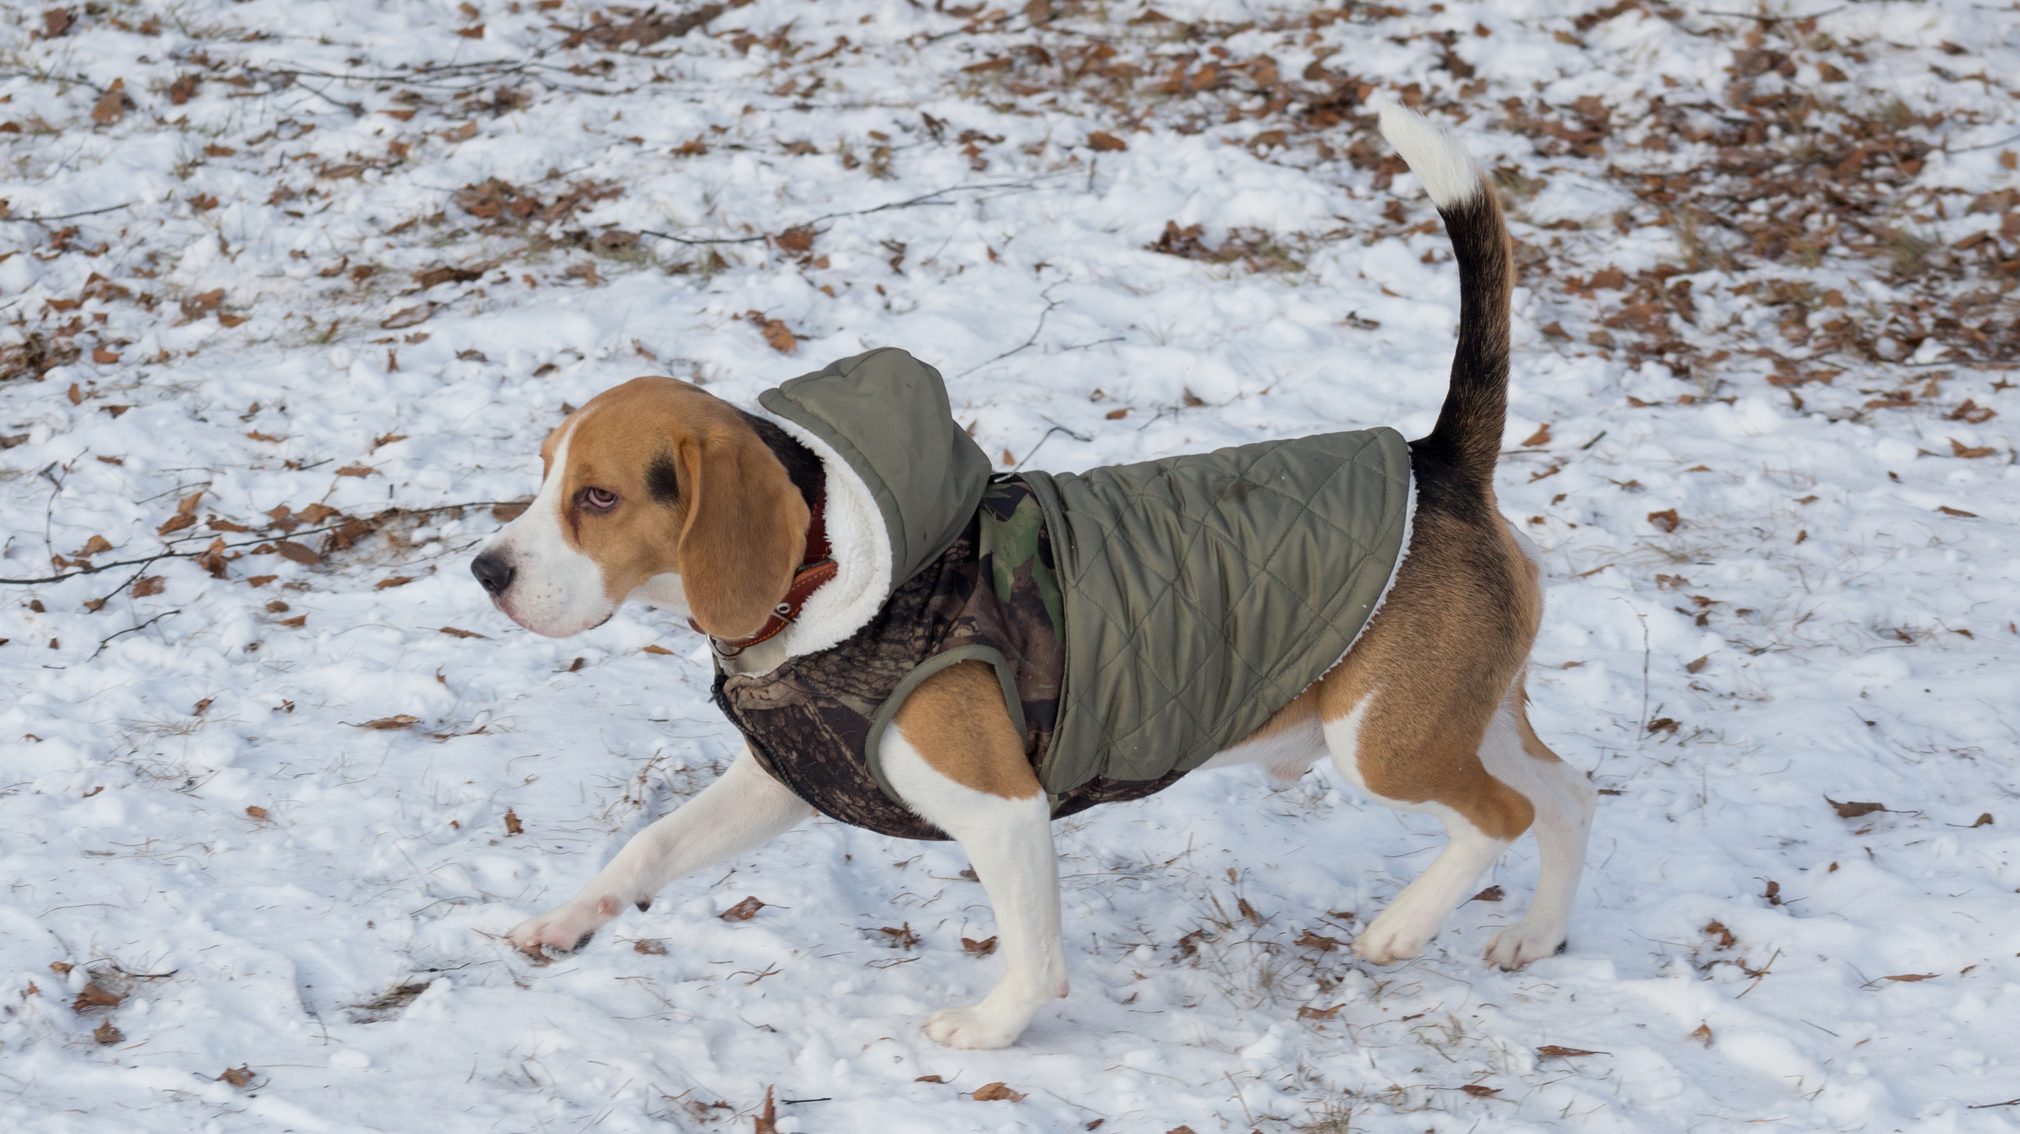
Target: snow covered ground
x,y
291,292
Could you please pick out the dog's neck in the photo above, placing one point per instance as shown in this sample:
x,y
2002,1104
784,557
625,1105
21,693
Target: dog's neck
x,y
802,466
860,547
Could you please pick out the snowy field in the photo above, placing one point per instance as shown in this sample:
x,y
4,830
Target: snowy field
x,y
290,292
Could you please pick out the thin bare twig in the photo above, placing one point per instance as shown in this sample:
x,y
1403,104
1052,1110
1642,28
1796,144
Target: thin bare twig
x,y
174,553
130,630
68,216
909,202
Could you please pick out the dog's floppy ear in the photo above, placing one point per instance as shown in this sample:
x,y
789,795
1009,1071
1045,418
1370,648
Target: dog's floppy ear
x,y
744,531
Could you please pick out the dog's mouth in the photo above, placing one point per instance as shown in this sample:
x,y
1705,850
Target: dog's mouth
x,y
505,607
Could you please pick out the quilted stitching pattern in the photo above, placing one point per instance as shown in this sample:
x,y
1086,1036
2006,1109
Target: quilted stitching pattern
x,y
1204,592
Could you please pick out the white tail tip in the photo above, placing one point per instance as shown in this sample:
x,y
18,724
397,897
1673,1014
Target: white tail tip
x,y
1438,158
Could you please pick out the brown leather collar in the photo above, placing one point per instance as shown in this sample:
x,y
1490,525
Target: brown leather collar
x,y
815,571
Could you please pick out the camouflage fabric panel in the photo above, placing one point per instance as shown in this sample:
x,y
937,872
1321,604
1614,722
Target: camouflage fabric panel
x,y
809,722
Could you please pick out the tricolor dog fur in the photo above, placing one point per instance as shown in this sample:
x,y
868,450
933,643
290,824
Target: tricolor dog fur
x,y
758,532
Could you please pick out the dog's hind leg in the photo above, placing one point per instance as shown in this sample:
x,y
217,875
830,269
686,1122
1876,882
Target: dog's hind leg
x,y
954,757
1563,800
1481,817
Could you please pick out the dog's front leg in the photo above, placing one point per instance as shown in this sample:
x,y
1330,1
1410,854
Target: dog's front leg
x,y
1002,820
742,809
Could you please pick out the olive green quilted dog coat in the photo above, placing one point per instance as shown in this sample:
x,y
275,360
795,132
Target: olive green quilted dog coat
x,y
1198,594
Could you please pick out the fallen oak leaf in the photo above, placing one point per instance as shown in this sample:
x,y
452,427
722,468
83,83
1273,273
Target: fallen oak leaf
x,y
106,1034
148,586
742,911
111,106
1480,1091
1910,978
512,824
1553,1051
1101,141
980,948
1957,448
240,1076
1540,437
1307,1012
997,1092
383,724
1853,809
1665,520
297,552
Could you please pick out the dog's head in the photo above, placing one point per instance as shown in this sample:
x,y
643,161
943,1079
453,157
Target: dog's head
x,y
656,488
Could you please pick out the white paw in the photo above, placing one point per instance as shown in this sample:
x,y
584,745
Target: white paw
x,y
1522,943
1394,936
562,930
976,1026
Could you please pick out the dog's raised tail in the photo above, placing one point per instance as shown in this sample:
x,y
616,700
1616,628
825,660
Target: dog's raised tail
x,y
1468,433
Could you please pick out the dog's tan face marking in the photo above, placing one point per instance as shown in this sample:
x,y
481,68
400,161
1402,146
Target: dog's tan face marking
x,y
655,486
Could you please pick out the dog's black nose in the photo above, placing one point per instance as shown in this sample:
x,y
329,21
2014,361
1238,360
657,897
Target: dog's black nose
x,y
492,571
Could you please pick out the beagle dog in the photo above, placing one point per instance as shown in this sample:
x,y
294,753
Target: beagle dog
x,y
659,490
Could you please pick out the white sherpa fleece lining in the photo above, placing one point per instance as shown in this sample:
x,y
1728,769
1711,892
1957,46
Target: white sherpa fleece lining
x,y
861,547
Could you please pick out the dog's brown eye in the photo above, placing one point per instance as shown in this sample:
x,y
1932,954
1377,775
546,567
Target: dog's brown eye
x,y
599,499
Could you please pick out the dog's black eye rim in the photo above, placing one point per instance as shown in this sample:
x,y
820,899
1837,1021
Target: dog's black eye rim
x,y
597,499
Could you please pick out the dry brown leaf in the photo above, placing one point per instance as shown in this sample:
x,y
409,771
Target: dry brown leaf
x,y
1910,978
392,581
409,316
777,335
1957,448
240,1076
767,1120
980,948
743,911
454,632
1984,820
256,813
930,1079
1663,724
798,241
1101,141
106,356
1696,665
1666,520
400,720
997,1092
106,1034
1720,935
297,552
512,824
655,649
148,586
1490,894
93,546
1540,437
1319,941
1852,809
1552,1051
111,106
356,470
56,21
97,995
1480,1091
1949,511
1310,1013
1702,1034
